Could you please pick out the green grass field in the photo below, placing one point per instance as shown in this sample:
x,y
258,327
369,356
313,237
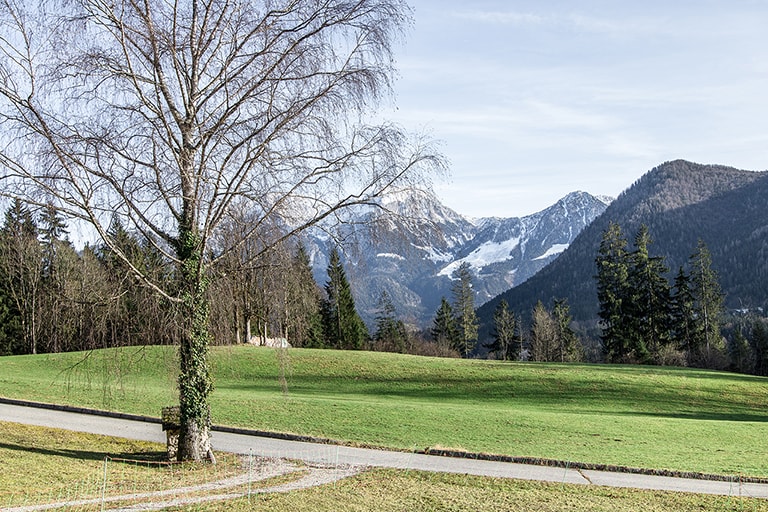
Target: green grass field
x,y
650,417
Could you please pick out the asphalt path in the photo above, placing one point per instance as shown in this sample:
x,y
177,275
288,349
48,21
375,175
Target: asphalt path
x,y
149,429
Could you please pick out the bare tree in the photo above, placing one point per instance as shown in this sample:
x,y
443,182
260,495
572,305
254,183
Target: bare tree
x,y
543,334
171,114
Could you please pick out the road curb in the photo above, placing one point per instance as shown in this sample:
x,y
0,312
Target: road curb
x,y
532,461
607,468
79,410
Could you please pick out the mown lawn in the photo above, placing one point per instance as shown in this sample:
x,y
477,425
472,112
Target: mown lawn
x,y
392,490
662,418
43,466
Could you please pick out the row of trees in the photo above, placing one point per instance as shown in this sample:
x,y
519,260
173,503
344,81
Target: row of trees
x,y
455,327
54,298
645,319
550,338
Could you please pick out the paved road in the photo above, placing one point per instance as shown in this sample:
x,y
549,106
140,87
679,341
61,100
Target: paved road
x,y
331,454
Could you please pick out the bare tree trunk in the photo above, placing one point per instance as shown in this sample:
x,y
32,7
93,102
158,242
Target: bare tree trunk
x,y
238,338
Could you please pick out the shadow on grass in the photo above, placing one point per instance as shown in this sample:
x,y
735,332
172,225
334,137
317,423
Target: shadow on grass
x,y
128,457
664,392
699,416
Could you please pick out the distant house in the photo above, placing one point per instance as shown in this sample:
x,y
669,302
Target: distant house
x,y
270,342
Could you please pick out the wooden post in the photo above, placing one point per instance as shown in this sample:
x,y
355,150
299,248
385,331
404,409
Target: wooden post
x,y
171,418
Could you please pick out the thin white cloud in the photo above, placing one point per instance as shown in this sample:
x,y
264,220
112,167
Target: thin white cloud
x,y
499,17
575,21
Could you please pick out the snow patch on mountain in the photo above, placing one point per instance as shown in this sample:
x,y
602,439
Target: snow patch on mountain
x,y
552,251
390,255
486,254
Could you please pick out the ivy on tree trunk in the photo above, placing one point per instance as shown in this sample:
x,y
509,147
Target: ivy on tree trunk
x,y
195,383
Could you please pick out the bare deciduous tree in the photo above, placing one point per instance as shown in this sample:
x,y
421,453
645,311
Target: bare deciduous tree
x,y
170,114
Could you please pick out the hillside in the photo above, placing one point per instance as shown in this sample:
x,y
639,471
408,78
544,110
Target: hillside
x,y
634,416
680,202
410,245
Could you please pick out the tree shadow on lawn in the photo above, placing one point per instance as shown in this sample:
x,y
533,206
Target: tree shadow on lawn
x,y
699,416
633,397
152,457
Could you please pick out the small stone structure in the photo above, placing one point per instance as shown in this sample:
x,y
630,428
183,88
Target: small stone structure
x,y
171,419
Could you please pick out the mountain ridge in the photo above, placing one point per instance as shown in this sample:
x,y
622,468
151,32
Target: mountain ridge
x,y
680,202
416,243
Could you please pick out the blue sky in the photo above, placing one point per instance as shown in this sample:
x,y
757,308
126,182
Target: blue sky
x,y
535,99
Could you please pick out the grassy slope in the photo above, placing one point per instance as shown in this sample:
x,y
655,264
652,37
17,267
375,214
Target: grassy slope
x,y
678,419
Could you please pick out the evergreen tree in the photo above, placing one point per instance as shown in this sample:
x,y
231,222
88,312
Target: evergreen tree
x,y
342,326
390,332
60,275
758,343
567,345
138,316
739,352
464,308
683,313
53,236
304,318
19,221
18,240
649,300
506,340
444,330
707,343
10,329
613,294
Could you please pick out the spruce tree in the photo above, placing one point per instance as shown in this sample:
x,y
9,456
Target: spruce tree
x,y
708,306
444,331
390,333
18,241
303,317
649,300
21,274
342,326
59,268
683,314
464,308
758,344
613,294
739,352
567,345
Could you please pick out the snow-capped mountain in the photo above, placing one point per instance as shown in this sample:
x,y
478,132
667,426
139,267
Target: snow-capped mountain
x,y
411,244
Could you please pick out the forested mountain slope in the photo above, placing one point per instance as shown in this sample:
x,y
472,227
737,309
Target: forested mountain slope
x,y
680,202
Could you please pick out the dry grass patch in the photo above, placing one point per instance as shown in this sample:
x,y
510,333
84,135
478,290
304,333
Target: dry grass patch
x,y
43,465
393,490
